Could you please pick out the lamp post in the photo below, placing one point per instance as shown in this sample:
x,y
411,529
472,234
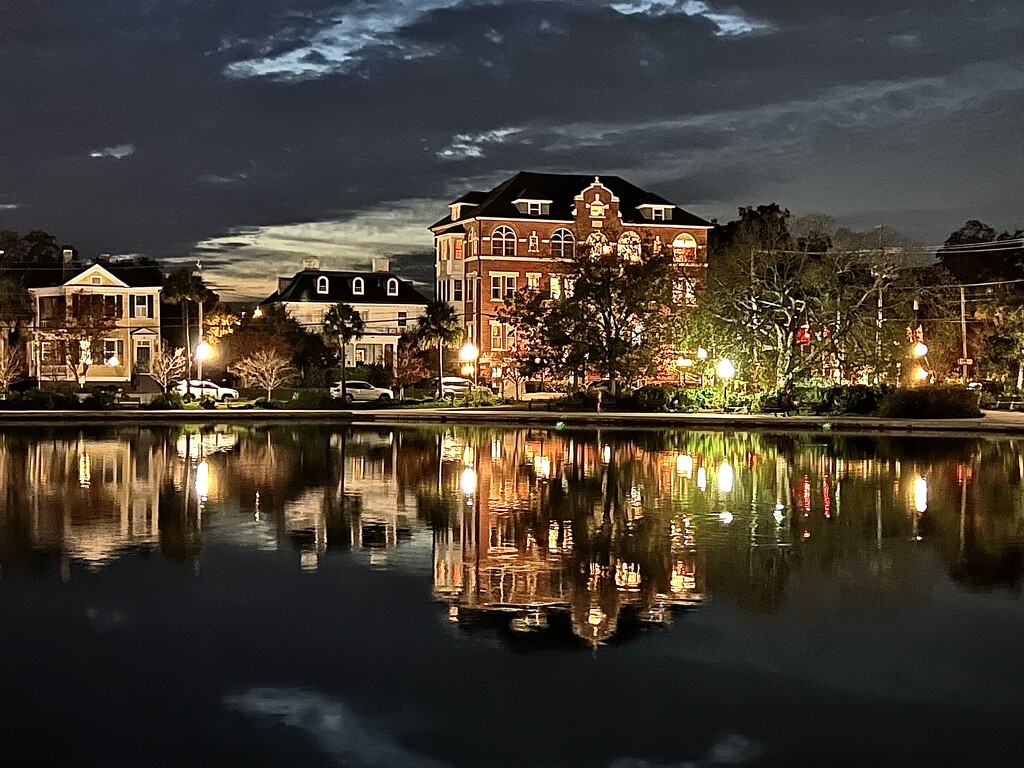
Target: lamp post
x,y
682,363
203,352
725,370
468,355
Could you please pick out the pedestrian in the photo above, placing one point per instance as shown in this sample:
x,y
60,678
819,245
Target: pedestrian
x,y
786,397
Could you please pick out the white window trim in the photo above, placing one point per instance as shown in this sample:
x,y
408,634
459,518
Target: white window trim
x,y
392,286
322,285
358,286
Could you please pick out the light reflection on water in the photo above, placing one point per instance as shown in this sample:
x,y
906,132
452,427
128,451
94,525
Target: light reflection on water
x,y
540,540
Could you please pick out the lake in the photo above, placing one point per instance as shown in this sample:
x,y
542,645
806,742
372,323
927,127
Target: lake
x,y
305,595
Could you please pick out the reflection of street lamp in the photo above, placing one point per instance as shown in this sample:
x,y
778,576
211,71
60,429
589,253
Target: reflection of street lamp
x,y
203,352
725,478
467,483
725,371
468,355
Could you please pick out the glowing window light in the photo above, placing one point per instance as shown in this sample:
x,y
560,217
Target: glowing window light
x,y
702,478
606,454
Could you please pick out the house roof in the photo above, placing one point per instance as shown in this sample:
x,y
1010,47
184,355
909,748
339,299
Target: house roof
x,y
562,189
56,275
302,287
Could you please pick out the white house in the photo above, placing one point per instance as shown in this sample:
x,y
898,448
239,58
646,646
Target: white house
x,y
129,295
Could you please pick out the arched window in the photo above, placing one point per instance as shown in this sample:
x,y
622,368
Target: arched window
x,y
562,243
629,246
392,287
322,284
503,242
357,286
684,249
596,243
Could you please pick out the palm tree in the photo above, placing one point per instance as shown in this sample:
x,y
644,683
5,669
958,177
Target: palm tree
x,y
180,287
439,325
342,324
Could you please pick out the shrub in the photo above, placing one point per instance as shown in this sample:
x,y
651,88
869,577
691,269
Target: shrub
x,y
856,400
100,400
651,398
170,401
264,403
317,399
933,402
690,399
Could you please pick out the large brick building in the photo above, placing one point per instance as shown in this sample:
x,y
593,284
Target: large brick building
x,y
494,243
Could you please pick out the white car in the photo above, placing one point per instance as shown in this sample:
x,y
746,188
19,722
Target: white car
x,y
454,387
361,391
196,389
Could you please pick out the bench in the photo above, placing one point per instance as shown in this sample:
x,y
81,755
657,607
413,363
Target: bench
x,y
1009,404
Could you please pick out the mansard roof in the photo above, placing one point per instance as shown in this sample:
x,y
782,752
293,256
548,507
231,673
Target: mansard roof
x,y
302,287
562,189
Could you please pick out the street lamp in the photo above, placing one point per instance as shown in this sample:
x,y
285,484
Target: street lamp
x,y
203,352
681,363
258,312
920,349
725,371
702,354
468,355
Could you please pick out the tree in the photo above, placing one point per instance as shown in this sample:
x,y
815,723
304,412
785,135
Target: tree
x,y
167,364
410,366
12,369
89,320
266,369
792,306
613,315
182,287
16,306
439,325
342,325
975,253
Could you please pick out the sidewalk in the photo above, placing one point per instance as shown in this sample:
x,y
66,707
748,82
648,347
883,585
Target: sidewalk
x,y
997,422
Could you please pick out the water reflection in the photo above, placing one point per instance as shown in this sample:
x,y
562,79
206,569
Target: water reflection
x,y
536,533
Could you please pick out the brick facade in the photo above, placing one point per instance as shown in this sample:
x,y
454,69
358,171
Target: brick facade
x,y
502,253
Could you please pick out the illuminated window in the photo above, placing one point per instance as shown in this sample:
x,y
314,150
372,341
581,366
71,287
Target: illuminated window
x,y
556,287
629,246
321,285
357,286
684,249
392,287
561,243
503,242
458,250
533,280
496,342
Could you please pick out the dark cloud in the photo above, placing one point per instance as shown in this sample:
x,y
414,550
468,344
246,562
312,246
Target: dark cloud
x,y
153,126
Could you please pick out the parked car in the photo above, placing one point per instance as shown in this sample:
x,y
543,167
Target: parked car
x,y
454,387
197,389
360,391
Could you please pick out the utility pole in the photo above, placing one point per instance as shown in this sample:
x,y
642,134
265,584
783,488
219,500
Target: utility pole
x,y
963,332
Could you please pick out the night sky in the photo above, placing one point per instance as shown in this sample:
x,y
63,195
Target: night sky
x,y
254,131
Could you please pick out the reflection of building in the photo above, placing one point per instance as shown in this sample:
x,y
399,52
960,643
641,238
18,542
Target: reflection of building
x,y
91,499
507,554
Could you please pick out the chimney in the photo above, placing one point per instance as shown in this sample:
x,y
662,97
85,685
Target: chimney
x,y
311,262
381,264
69,255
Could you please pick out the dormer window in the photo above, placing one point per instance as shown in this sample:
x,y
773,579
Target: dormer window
x,y
531,207
322,285
357,286
392,287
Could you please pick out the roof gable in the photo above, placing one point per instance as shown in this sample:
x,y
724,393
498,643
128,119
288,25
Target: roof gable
x,y
95,275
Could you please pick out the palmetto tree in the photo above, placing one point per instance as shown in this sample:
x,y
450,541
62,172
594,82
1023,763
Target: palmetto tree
x,y
342,325
439,325
181,287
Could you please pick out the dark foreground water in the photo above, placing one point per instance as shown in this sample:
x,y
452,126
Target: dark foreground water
x,y
303,596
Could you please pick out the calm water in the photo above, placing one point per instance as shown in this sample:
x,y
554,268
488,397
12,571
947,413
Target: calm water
x,y
304,596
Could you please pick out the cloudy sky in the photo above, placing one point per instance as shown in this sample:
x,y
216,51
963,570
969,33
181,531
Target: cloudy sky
x,y
255,131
